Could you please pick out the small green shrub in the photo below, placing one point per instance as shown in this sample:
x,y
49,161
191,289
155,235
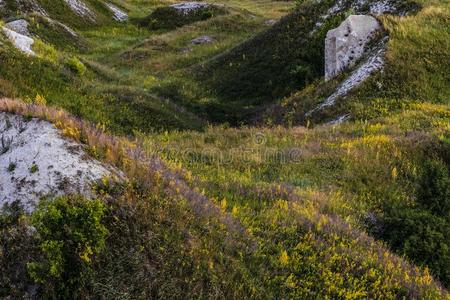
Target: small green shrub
x,y
76,66
34,168
45,51
71,233
11,167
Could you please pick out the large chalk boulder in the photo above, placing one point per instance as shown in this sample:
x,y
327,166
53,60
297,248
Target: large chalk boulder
x,y
345,45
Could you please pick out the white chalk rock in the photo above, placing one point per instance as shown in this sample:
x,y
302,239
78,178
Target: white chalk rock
x,y
80,8
19,26
36,161
189,7
345,45
204,39
20,41
372,64
119,15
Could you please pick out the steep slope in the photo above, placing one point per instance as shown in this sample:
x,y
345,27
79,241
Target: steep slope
x,y
261,239
55,37
407,77
283,59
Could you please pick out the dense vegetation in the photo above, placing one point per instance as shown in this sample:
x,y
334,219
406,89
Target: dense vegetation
x,y
357,210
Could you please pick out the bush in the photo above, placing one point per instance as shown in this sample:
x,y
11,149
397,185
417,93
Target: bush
x,y
45,51
76,66
70,233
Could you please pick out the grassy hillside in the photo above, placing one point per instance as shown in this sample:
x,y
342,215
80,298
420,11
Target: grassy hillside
x,y
285,213
135,77
352,211
417,61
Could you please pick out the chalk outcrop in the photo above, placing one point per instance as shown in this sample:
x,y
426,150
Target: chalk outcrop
x,y
204,39
20,41
189,7
118,14
80,8
36,161
345,45
372,63
20,26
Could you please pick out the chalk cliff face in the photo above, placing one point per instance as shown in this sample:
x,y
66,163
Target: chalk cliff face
x,y
345,45
36,161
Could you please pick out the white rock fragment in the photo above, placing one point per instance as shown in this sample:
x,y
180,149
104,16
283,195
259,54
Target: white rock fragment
x,y
19,26
119,15
359,6
36,161
339,120
382,7
80,8
345,45
204,39
21,42
188,7
270,22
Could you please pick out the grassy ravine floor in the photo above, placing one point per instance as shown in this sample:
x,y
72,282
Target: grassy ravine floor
x,y
355,211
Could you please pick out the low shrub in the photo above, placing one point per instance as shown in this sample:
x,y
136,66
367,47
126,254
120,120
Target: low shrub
x,y
70,233
76,66
45,51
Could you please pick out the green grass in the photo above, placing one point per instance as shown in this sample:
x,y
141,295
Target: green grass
x,y
416,71
357,210
134,75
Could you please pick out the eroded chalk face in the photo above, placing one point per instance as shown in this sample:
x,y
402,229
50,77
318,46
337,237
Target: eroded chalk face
x,y
36,161
345,45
